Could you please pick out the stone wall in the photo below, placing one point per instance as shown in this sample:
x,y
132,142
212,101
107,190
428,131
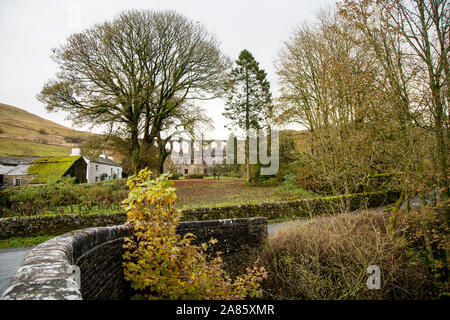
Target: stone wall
x,y
8,180
55,225
46,271
295,208
59,224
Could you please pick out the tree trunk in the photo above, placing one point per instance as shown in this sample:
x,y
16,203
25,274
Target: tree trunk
x,y
247,127
163,154
134,152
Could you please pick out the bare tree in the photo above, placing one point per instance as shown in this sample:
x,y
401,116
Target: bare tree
x,y
133,73
425,25
411,42
327,85
186,121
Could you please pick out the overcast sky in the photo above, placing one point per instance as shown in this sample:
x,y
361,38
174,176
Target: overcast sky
x,y
30,29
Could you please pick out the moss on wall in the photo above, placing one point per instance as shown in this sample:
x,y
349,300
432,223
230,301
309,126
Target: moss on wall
x,y
58,224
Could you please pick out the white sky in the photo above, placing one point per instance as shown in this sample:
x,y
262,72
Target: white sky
x,y
30,29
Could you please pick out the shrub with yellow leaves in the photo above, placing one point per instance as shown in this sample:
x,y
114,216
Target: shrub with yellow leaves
x,y
161,264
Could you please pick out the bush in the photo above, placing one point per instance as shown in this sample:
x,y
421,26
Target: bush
x,y
294,192
234,174
160,264
289,189
328,259
194,176
58,195
289,180
428,232
175,176
270,182
75,140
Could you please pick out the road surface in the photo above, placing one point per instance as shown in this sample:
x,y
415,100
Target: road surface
x,y
10,260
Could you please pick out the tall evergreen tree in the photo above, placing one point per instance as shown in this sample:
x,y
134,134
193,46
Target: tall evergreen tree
x,y
248,99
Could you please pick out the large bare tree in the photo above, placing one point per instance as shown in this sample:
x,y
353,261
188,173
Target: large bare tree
x,y
133,73
421,29
327,86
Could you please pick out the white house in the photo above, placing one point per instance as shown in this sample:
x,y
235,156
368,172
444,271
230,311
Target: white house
x,y
100,169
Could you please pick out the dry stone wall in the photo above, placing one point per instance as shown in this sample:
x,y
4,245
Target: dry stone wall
x,y
59,224
47,270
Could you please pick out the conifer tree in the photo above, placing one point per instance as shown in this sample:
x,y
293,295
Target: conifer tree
x,y
248,98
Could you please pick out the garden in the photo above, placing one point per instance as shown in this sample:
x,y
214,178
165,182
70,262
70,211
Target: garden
x,y
66,197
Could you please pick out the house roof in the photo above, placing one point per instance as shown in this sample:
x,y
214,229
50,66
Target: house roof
x,y
103,161
51,168
13,161
5,169
18,170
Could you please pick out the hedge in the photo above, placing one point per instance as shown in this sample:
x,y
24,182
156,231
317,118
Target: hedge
x,y
194,176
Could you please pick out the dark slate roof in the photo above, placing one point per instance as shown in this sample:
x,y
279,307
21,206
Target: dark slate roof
x,y
5,169
12,161
21,169
103,161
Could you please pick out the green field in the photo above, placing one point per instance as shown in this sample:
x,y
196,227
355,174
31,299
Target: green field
x,y
25,134
23,241
105,197
204,193
27,148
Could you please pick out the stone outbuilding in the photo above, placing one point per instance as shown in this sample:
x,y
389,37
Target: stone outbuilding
x,y
19,172
43,170
15,175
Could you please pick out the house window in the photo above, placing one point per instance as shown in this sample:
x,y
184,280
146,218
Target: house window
x,y
96,179
96,167
186,171
17,182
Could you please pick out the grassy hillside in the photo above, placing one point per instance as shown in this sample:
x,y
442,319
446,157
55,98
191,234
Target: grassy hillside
x,y
19,147
23,133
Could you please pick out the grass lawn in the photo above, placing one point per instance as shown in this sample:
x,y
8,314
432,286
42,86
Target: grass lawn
x,y
23,242
201,193
192,193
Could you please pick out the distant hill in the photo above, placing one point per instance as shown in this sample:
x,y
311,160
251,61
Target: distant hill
x,y
25,134
301,139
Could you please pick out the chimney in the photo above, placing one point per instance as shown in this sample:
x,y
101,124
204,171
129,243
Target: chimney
x,y
103,156
75,152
